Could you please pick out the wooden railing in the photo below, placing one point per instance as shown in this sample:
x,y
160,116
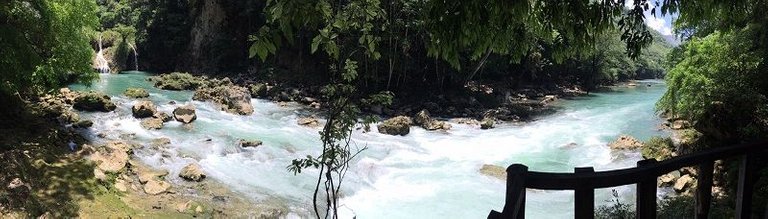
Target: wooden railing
x,y
585,180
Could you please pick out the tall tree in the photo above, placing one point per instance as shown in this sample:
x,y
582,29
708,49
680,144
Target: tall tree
x,y
45,43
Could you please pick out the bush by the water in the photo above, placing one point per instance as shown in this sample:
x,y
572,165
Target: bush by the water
x,y
668,208
658,148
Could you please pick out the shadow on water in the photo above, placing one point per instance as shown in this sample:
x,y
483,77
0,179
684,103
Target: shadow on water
x,y
33,150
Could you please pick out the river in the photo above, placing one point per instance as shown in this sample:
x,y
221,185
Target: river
x,y
421,175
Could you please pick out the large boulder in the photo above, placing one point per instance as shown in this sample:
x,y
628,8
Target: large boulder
x,y
494,171
136,93
144,109
113,157
192,172
682,183
400,125
177,81
185,114
156,187
424,120
231,98
669,178
94,101
626,142
146,173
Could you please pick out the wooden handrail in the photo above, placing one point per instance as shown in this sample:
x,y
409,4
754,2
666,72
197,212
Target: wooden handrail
x,y
585,180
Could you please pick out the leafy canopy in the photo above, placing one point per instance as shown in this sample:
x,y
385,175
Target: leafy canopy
x,y
45,43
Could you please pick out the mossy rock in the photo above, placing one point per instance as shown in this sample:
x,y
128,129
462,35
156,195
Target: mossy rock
x,y
400,125
258,90
94,101
136,93
658,148
178,81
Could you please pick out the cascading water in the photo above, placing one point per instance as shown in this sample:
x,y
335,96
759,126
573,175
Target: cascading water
x,y
102,65
135,57
422,175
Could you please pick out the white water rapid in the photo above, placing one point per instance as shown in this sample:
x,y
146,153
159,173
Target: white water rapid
x,y
421,175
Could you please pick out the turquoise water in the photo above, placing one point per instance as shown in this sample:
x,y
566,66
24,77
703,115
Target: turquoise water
x,y
422,175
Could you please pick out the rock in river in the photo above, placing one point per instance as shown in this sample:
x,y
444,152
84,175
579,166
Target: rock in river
x,y
144,109
400,125
136,93
424,120
231,98
152,123
185,114
494,171
625,142
94,101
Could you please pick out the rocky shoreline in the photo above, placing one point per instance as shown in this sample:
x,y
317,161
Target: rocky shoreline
x,y
507,106
120,181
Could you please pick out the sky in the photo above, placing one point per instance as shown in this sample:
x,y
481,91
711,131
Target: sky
x,y
663,24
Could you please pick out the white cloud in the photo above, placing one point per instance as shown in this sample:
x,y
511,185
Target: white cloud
x,y
658,24
664,26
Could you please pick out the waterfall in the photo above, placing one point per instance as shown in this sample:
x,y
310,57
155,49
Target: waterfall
x,y
102,65
135,57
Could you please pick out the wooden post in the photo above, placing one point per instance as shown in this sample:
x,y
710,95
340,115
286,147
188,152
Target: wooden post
x,y
584,196
745,187
646,193
514,206
704,189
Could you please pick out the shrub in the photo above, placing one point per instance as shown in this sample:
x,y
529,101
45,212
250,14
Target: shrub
x,y
658,148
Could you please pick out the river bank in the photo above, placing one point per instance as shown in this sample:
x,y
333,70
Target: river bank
x,y
407,172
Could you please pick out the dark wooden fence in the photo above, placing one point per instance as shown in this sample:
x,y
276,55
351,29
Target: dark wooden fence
x,y
585,180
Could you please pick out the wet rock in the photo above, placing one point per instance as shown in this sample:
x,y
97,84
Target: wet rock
x,y
163,116
185,114
308,121
400,125
625,142
252,143
231,98
192,172
258,90
83,124
94,101
152,123
136,93
487,123
424,120
177,81
494,171
683,183
144,109
155,187
548,99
